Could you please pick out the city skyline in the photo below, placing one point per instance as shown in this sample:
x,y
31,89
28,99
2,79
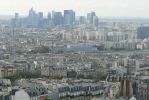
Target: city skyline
x,y
114,8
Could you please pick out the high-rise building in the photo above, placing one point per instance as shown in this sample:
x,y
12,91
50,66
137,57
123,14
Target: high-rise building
x,y
90,17
40,15
15,22
49,16
82,20
57,18
69,17
16,15
32,18
95,21
40,19
32,13
48,22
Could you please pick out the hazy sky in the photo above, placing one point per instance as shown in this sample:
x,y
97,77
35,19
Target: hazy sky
x,y
129,8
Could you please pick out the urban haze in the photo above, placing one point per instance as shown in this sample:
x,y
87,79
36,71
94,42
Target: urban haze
x,y
74,50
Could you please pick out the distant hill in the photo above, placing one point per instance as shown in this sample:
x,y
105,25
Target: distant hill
x,y
124,19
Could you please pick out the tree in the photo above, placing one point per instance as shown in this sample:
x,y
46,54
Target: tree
x,y
43,49
95,65
48,98
71,74
90,77
101,75
60,51
80,76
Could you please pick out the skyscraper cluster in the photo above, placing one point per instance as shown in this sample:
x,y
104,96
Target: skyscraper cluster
x,y
68,18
